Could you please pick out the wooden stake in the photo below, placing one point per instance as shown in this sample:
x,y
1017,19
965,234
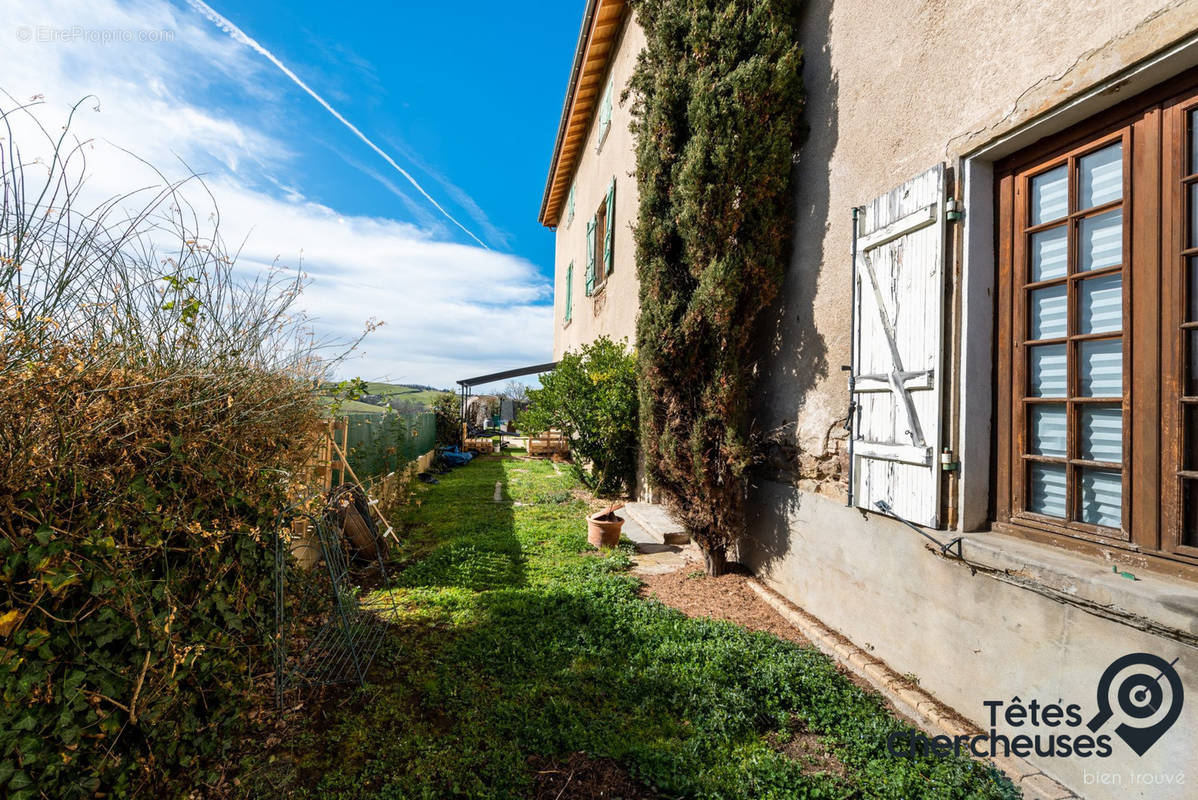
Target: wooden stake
x,y
345,461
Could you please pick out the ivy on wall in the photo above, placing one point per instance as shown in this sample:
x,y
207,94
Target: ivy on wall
x,y
717,98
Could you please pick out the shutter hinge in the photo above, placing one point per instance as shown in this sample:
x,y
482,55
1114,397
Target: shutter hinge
x,y
947,462
952,211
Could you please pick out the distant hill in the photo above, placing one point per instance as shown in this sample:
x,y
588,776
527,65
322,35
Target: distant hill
x,y
400,395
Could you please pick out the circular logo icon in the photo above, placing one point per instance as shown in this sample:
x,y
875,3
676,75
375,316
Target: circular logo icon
x,y
1146,692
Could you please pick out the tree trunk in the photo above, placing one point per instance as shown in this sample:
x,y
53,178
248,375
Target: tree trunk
x,y
715,560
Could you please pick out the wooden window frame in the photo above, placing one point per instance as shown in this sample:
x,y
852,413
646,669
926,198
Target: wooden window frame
x,y
1181,170
1151,129
600,246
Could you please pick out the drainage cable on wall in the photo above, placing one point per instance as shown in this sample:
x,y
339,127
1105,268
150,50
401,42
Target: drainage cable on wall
x,y
944,547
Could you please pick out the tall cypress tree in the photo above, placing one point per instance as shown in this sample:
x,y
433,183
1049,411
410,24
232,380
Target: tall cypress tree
x,y
717,100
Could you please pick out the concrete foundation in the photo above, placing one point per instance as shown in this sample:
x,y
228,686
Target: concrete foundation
x,y
1004,623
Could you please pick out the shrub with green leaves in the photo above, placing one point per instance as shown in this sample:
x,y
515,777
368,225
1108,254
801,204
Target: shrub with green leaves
x,y
154,412
717,98
448,409
591,397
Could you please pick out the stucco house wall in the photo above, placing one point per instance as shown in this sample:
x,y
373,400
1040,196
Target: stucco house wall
x,y
612,310
894,88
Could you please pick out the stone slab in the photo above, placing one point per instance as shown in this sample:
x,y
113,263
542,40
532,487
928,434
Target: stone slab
x,y
657,522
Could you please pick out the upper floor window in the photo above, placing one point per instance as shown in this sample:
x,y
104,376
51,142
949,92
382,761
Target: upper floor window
x,y
569,314
570,206
605,107
1098,326
600,240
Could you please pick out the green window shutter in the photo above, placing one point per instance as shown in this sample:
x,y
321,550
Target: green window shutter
x,y
608,236
590,256
569,291
570,206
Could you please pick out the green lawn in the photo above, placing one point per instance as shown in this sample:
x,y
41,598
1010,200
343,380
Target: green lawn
x,y
516,640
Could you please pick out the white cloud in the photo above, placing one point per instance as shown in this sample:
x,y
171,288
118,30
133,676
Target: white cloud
x,y
450,310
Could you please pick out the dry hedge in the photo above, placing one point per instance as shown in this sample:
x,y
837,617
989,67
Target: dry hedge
x,y
135,511
155,408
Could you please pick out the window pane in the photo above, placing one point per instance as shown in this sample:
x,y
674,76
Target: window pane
x,y
1193,215
1193,141
1100,368
1102,497
1191,344
1046,370
1049,254
1100,304
1050,195
1189,512
1101,176
1047,423
1101,433
1048,315
1046,489
1101,240
1192,289
1189,433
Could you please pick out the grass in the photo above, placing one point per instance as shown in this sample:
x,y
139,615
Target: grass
x,y
390,391
516,640
399,391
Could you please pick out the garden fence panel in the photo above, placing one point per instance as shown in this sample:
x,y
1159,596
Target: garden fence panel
x,y
379,443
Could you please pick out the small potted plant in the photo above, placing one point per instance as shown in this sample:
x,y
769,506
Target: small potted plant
x,y
603,529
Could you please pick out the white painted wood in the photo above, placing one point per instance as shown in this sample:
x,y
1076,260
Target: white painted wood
x,y
900,227
897,428
881,383
906,453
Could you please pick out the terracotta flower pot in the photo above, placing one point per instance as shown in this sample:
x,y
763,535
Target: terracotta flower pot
x,y
604,531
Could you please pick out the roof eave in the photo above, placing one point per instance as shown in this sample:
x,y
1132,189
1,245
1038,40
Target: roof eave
x,y
585,35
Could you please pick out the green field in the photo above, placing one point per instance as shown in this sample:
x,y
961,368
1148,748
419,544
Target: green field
x,y
392,391
400,391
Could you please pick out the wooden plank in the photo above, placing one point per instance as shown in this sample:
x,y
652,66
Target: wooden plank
x,y
910,381
369,500
1142,505
899,349
899,228
1172,356
893,451
900,395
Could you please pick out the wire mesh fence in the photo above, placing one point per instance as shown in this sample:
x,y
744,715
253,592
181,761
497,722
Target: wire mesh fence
x,y
330,623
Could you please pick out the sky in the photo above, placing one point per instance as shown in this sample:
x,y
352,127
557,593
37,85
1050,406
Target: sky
x,y
395,152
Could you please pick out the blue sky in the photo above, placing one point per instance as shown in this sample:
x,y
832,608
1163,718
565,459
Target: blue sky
x,y
468,93
466,98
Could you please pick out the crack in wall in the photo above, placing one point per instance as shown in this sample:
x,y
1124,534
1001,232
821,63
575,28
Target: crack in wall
x,y
1086,55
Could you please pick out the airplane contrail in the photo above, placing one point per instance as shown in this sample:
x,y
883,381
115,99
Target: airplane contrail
x,y
239,35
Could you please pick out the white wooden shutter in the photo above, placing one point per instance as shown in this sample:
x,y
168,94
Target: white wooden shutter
x,y
899,350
